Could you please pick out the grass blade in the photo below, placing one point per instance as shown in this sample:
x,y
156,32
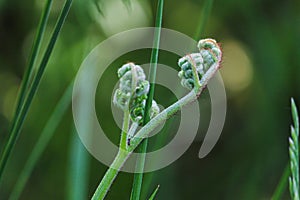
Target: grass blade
x,y
154,193
206,10
42,142
295,116
32,59
294,154
138,177
33,56
282,184
14,133
293,149
78,170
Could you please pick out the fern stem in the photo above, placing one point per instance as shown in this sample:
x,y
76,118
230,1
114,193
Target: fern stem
x,y
110,175
125,127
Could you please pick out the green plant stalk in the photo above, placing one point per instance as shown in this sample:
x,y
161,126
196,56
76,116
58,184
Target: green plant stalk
x,y
282,184
122,155
32,59
42,142
285,177
33,56
140,163
78,170
110,175
27,102
294,154
207,7
154,193
120,159
125,127
206,10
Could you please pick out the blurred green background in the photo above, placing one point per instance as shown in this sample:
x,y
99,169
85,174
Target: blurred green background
x,y
261,67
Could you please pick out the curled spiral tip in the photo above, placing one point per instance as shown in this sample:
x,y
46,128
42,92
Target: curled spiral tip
x,y
132,92
209,54
133,85
186,74
210,50
137,112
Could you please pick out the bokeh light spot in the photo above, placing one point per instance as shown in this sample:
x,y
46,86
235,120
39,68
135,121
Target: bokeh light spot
x,y
237,70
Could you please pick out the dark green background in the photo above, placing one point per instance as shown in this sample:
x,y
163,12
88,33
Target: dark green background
x,y
261,68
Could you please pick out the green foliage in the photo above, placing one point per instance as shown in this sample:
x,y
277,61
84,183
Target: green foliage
x,y
44,139
25,84
153,195
138,177
258,117
294,154
24,107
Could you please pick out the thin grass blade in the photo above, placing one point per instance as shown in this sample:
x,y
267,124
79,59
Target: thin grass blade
x,y
294,154
27,102
293,141
206,11
138,177
43,141
78,170
295,116
32,59
152,197
33,56
282,185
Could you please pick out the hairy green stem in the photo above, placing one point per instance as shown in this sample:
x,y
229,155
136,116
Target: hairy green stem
x,y
131,132
125,127
138,177
161,117
122,155
32,91
110,175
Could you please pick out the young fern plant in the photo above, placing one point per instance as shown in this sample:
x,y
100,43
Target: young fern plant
x,y
196,71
